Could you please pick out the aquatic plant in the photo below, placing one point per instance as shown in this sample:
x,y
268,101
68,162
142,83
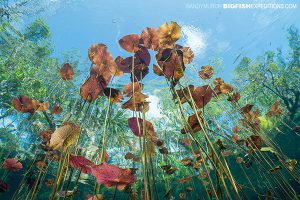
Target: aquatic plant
x,y
188,153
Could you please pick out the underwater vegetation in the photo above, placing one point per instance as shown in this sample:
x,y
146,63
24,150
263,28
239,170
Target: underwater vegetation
x,y
68,133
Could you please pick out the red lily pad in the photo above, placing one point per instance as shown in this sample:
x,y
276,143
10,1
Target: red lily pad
x,y
82,163
113,176
136,126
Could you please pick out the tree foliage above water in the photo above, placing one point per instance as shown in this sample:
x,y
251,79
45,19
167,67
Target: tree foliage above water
x,y
273,76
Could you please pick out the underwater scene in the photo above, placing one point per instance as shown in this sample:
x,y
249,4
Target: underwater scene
x,y
149,100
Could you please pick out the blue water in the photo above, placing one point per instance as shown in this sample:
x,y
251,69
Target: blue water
x,y
215,32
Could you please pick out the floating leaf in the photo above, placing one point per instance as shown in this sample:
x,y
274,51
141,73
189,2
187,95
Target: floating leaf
x,y
184,94
94,197
226,88
193,123
142,56
163,151
186,161
171,171
101,57
186,141
246,108
12,164
23,104
160,143
188,54
275,110
136,102
218,81
202,95
46,135
254,142
168,34
166,167
130,87
129,156
124,65
290,164
91,89
66,72
182,195
275,169
157,70
40,105
206,72
139,72
171,62
114,95
239,160
220,145
130,43
234,97
56,109
41,165
150,38
112,175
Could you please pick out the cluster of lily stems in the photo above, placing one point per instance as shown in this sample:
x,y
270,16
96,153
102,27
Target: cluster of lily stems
x,y
222,182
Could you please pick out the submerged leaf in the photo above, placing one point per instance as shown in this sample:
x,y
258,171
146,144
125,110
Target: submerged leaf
x,y
66,72
193,123
112,175
64,136
186,161
3,186
12,164
226,88
254,142
275,169
130,87
56,109
46,135
275,110
80,162
136,126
